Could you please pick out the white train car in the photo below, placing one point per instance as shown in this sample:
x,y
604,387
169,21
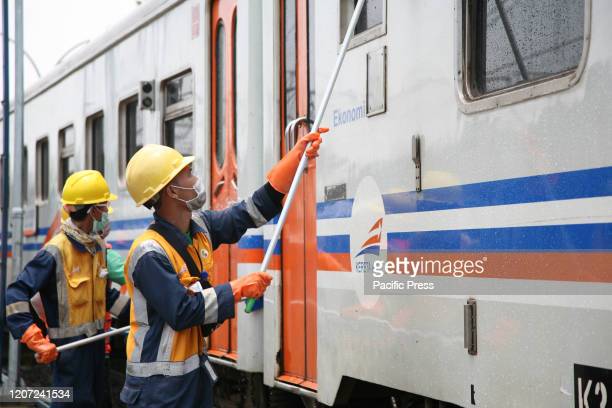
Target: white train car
x,y
470,131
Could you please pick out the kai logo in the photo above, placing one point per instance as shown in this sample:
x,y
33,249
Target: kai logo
x,y
370,246
368,240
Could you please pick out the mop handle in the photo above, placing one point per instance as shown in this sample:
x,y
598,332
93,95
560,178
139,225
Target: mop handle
x,y
304,160
91,339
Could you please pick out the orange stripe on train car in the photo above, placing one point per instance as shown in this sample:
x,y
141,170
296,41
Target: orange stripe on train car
x,y
340,262
552,266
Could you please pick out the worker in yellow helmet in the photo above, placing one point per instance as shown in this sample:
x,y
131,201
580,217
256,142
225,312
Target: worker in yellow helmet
x,y
174,307
70,274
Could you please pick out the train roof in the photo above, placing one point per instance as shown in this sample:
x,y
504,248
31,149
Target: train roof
x,y
137,19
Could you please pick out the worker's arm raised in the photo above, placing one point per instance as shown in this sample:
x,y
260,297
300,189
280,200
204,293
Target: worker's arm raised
x,y
228,225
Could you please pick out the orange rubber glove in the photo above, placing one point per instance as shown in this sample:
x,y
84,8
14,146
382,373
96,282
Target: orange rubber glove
x,y
46,352
281,175
252,285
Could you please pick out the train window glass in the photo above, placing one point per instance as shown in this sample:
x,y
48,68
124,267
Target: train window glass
x,y
220,95
371,23
42,169
179,133
66,155
130,132
523,41
95,142
234,85
178,107
290,56
179,89
311,61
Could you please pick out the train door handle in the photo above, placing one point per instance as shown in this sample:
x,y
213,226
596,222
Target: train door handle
x,y
290,132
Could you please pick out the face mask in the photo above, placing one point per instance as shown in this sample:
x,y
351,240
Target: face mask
x,y
199,200
100,225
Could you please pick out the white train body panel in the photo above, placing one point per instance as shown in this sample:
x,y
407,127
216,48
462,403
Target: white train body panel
x,y
527,345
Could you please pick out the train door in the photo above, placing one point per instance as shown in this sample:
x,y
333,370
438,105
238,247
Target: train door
x,y
299,251
224,169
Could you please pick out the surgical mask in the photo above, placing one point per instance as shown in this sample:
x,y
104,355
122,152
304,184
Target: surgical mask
x,y
199,200
100,225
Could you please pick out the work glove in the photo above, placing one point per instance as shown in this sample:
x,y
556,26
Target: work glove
x,y
252,285
281,175
46,352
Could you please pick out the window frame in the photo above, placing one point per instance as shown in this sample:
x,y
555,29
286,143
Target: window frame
x,y
180,109
122,142
89,139
60,157
40,200
366,36
470,103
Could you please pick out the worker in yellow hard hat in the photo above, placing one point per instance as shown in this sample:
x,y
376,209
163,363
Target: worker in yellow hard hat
x,y
70,274
174,307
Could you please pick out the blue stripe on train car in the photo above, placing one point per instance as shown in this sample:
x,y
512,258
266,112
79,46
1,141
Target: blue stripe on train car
x,y
251,242
334,244
547,187
277,248
561,238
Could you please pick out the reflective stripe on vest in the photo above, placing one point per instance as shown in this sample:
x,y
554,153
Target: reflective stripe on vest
x,y
139,303
88,329
170,368
17,307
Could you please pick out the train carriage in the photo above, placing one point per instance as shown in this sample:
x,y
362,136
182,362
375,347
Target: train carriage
x,y
472,131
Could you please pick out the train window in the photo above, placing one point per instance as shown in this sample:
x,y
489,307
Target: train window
x,y
220,95
179,134
130,132
290,105
66,155
371,23
514,44
95,142
178,107
42,169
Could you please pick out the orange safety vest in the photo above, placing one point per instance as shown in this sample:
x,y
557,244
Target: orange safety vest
x,y
178,351
81,290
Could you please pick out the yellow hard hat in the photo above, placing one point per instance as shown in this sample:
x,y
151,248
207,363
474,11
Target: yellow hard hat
x,y
151,168
86,187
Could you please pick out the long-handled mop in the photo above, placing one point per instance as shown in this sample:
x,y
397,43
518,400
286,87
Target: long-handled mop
x,y
298,175
87,340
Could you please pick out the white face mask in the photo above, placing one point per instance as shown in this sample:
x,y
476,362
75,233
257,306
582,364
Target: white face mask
x,y
199,200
